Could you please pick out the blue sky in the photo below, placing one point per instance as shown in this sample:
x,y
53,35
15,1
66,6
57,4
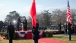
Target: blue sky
x,y
23,6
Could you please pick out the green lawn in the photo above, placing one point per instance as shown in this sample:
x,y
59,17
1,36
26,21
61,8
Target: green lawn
x,y
64,38
17,41
55,37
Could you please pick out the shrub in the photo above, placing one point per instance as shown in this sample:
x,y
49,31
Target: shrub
x,y
6,35
48,34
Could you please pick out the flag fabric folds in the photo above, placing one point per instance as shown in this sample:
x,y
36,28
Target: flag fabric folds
x,y
69,15
33,13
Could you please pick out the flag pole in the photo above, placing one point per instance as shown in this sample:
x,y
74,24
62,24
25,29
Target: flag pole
x,y
69,20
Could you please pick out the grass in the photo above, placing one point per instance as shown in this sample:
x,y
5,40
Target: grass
x,y
64,38
55,37
17,41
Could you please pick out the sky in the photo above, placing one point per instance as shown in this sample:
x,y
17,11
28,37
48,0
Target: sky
x,y
23,6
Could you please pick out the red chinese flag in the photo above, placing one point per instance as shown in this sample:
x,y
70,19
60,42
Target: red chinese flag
x,y
69,15
33,13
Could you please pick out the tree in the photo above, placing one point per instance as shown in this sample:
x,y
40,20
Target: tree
x,y
11,16
73,12
40,19
29,21
58,16
44,18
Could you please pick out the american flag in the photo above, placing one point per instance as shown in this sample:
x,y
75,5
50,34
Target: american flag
x,y
69,15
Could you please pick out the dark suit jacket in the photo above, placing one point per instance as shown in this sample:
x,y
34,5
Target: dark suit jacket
x,y
69,28
35,32
18,20
25,24
10,31
59,25
37,26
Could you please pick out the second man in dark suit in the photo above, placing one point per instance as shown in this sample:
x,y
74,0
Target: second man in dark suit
x,y
25,24
18,23
10,31
35,33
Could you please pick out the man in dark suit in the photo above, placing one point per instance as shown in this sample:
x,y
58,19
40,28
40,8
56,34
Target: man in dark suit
x,y
18,23
59,25
10,31
69,30
65,28
25,24
35,33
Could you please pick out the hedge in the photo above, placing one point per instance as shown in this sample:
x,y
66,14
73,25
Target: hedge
x,y
6,35
49,33
46,34
55,31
